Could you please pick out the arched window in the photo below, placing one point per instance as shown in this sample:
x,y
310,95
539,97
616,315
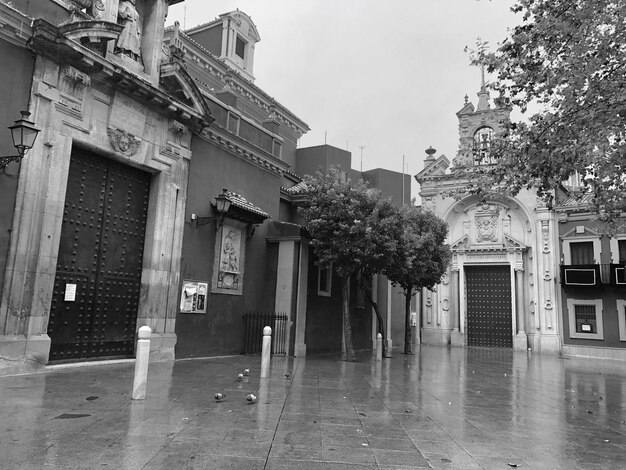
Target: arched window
x,y
482,146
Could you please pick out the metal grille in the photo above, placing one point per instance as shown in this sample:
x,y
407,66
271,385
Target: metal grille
x,y
585,316
489,315
254,322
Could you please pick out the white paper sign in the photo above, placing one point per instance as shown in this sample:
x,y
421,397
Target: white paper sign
x,y
70,292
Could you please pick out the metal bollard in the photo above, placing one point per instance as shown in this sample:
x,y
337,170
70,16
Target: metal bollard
x,y
379,347
265,352
141,363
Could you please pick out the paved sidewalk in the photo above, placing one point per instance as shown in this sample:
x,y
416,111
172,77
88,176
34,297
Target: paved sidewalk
x,y
444,408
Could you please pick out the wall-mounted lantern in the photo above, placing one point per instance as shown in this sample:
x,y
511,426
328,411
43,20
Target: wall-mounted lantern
x,y
222,204
24,134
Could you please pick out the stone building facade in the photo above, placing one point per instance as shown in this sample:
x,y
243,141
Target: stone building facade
x,y
96,234
111,219
500,290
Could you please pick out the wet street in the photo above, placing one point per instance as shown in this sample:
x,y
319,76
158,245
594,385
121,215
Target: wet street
x,y
444,408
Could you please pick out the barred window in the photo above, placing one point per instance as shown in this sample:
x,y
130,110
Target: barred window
x,y
585,317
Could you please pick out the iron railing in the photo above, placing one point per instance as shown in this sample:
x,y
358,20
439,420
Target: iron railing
x,y
593,274
253,324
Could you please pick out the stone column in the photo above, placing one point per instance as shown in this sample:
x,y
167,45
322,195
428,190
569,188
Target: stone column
x,y
456,338
388,341
285,289
549,339
152,37
520,340
303,281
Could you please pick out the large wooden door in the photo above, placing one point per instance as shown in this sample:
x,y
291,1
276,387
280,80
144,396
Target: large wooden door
x,y
98,276
489,313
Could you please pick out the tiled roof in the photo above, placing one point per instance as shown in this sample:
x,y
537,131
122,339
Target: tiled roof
x,y
241,202
300,188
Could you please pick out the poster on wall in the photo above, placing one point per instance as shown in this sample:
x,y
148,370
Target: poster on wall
x,y
193,297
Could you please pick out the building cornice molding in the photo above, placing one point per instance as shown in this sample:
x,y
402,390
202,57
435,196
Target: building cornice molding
x,y
15,26
49,41
242,149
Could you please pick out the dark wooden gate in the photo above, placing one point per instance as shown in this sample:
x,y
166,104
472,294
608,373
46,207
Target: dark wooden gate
x,y
98,276
489,315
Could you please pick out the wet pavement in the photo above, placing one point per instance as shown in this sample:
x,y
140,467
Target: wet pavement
x,y
444,408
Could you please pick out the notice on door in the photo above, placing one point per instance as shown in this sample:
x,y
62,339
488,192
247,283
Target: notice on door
x,y
70,292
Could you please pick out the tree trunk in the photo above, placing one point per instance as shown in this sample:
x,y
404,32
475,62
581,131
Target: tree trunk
x,y
347,350
407,321
381,326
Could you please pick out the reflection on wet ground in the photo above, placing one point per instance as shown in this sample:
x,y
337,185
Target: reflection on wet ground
x,y
444,408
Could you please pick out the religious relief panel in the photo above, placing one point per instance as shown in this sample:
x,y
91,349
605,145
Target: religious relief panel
x,y
486,220
229,251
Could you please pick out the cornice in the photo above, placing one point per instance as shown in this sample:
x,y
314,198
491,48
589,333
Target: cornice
x,y
49,41
242,149
15,26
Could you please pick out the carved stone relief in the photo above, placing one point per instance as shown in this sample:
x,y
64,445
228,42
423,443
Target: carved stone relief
x,y
72,84
123,142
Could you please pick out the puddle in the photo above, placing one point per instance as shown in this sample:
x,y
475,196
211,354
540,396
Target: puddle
x,y
72,415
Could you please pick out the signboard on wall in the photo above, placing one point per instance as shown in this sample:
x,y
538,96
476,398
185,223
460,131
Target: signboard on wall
x,y
193,297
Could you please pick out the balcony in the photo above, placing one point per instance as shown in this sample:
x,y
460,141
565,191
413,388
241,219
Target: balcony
x,y
592,275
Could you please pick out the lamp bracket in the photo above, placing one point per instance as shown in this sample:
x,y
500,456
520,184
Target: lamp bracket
x,y
200,221
4,161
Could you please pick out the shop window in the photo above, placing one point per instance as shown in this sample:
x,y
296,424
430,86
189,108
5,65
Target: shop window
x,y
324,280
585,319
621,315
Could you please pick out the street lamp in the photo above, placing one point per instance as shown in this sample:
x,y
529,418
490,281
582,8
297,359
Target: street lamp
x,y
24,134
222,204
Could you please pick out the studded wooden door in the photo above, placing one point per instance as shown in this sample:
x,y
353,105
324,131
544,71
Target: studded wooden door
x,y
489,313
96,290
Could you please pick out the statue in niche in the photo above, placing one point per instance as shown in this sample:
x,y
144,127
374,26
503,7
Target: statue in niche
x,y
129,42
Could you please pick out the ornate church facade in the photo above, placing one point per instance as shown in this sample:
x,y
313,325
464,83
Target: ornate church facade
x,y
500,290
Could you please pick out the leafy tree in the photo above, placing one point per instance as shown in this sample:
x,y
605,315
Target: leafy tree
x,y
420,258
351,229
566,59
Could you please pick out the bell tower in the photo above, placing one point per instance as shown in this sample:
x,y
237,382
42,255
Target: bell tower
x,y
477,128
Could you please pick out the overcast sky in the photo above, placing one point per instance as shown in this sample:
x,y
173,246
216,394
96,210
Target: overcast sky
x,y
386,75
